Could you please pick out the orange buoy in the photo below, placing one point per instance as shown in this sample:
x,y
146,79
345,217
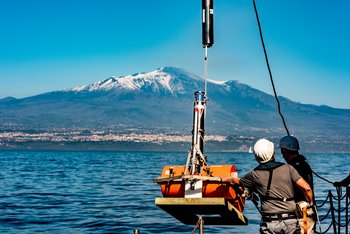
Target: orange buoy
x,y
210,188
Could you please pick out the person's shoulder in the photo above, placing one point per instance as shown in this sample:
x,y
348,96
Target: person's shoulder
x,y
289,167
302,160
249,173
284,166
250,176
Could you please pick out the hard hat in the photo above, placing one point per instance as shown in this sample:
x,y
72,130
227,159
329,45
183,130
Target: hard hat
x,y
289,143
264,150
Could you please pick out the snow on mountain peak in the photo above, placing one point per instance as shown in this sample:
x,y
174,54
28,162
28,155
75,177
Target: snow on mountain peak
x,y
170,79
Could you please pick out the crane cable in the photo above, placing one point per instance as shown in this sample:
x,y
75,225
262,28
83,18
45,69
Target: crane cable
x,y
268,67
276,97
205,70
273,85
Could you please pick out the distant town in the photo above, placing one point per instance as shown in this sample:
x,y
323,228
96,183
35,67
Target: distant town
x,y
97,136
101,139
85,140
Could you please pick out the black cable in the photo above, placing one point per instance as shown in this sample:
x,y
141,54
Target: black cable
x,y
268,67
324,202
322,178
272,82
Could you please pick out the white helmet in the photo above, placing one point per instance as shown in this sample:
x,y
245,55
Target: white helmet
x,y
264,150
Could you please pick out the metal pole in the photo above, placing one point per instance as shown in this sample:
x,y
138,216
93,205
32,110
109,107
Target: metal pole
x,y
201,225
347,190
332,211
339,211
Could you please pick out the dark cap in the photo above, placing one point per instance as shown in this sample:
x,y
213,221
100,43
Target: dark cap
x,y
289,143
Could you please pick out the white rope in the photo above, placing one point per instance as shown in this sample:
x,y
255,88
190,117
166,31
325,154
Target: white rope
x,y
205,69
201,155
198,224
318,219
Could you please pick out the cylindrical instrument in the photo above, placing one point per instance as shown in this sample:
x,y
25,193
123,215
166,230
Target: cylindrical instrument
x,y
198,159
207,23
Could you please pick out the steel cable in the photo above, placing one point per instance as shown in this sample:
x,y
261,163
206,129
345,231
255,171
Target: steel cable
x,y
272,82
269,69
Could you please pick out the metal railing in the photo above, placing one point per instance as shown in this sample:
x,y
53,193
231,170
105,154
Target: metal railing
x,y
337,210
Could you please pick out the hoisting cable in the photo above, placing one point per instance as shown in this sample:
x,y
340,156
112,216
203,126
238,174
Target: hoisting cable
x,y
273,85
268,67
205,70
207,42
276,97
205,77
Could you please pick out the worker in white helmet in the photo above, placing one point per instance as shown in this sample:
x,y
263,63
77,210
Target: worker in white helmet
x,y
274,183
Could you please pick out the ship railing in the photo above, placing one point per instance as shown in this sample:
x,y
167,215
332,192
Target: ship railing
x,y
338,210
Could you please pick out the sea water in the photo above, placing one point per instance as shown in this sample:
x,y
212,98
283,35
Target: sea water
x,y
113,192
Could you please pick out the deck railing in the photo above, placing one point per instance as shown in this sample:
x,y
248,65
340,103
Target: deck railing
x,y
337,213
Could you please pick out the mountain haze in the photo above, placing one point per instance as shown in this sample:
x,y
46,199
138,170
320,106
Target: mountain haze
x,y
162,101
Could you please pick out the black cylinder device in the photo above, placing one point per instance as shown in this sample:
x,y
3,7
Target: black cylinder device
x,y
207,23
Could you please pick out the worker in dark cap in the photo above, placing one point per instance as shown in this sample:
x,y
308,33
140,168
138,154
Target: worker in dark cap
x,y
289,146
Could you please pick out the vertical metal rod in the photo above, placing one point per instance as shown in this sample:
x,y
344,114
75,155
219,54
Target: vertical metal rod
x,y
201,225
339,211
332,211
347,190
195,136
205,69
188,163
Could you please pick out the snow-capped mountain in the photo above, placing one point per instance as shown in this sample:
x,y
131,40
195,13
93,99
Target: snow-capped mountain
x,y
162,100
167,79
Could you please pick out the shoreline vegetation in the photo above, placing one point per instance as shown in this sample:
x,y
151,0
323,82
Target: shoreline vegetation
x,y
108,141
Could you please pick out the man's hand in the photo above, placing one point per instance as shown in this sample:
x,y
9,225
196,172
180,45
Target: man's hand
x,y
229,179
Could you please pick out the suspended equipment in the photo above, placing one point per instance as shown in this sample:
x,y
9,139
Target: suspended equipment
x,y
194,193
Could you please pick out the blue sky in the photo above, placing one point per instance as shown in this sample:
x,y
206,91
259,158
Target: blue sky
x,y
52,45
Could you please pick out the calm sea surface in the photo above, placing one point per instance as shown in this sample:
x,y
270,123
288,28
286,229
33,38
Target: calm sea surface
x,y
113,192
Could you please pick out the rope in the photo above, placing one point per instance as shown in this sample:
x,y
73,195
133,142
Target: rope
x,y
319,206
336,222
199,222
272,82
322,178
282,117
285,126
338,197
318,220
269,69
326,215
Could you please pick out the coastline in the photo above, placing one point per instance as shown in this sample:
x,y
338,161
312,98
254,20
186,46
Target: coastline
x,y
131,146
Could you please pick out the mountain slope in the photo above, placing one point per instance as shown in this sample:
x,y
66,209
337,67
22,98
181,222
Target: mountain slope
x,y
162,100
